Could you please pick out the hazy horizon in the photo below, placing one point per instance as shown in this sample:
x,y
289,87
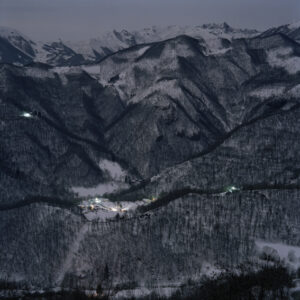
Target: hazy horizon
x,y
77,20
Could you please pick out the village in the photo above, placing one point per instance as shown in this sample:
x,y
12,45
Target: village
x,y
103,208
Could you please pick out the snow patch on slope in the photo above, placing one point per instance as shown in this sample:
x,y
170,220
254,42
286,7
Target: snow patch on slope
x,y
61,70
289,254
141,51
38,73
268,92
92,69
282,58
114,170
99,190
218,51
165,292
116,180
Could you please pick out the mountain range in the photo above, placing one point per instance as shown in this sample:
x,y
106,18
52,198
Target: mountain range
x,y
201,121
19,49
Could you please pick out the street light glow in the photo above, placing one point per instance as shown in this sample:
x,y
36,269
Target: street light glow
x,y
231,189
97,200
26,115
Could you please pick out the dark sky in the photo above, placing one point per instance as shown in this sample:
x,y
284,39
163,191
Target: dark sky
x,y
82,19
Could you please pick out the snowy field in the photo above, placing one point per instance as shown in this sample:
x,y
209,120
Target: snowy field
x,y
289,254
115,181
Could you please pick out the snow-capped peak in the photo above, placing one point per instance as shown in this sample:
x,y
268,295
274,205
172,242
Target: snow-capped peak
x,y
294,25
7,32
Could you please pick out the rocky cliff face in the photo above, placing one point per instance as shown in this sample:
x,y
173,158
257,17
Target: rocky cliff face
x,y
186,123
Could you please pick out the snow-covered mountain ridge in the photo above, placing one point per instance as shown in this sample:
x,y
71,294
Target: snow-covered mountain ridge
x,y
62,53
211,34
